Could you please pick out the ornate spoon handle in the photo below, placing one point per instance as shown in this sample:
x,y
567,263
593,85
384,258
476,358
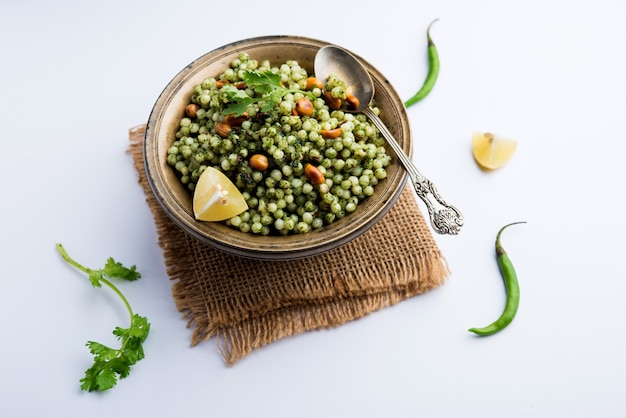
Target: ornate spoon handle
x,y
444,218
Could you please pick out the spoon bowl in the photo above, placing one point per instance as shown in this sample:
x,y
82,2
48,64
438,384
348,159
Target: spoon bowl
x,y
333,60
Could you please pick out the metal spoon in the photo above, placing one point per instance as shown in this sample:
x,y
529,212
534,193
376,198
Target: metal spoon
x,y
331,59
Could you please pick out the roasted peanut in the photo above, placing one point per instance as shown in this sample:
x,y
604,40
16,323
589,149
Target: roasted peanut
x,y
314,174
353,101
233,120
220,83
304,107
313,82
333,102
223,129
192,110
259,162
331,133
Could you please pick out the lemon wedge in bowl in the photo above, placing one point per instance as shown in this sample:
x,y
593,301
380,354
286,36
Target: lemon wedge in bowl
x,y
492,151
216,198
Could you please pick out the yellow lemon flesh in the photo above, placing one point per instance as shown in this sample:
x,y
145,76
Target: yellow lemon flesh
x,y
216,198
492,151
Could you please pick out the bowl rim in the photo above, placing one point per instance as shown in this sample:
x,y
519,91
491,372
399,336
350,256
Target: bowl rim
x,y
238,243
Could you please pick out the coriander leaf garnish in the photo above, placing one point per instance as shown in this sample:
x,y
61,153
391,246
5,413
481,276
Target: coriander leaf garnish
x,y
238,100
114,269
266,85
111,364
262,82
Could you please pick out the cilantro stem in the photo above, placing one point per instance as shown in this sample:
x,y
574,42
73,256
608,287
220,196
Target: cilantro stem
x,y
92,273
69,259
112,364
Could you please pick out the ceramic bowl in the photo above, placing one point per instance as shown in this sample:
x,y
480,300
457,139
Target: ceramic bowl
x,y
176,200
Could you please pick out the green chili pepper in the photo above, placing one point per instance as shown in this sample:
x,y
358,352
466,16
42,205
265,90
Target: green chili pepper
x,y
512,288
433,71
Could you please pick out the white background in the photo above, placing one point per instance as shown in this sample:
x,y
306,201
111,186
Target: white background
x,y
76,75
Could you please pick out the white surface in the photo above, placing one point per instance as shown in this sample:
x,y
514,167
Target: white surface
x,y
75,77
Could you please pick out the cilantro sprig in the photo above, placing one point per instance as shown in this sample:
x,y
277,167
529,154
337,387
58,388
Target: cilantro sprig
x,y
266,85
111,364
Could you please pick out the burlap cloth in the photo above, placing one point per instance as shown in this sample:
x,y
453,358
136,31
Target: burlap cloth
x,y
247,304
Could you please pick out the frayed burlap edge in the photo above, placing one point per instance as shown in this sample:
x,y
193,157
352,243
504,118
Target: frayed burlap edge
x,y
341,291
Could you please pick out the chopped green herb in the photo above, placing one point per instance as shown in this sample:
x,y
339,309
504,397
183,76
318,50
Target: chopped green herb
x,y
265,84
111,364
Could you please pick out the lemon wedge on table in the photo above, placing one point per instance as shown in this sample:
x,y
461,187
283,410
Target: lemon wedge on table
x,y
492,151
216,198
